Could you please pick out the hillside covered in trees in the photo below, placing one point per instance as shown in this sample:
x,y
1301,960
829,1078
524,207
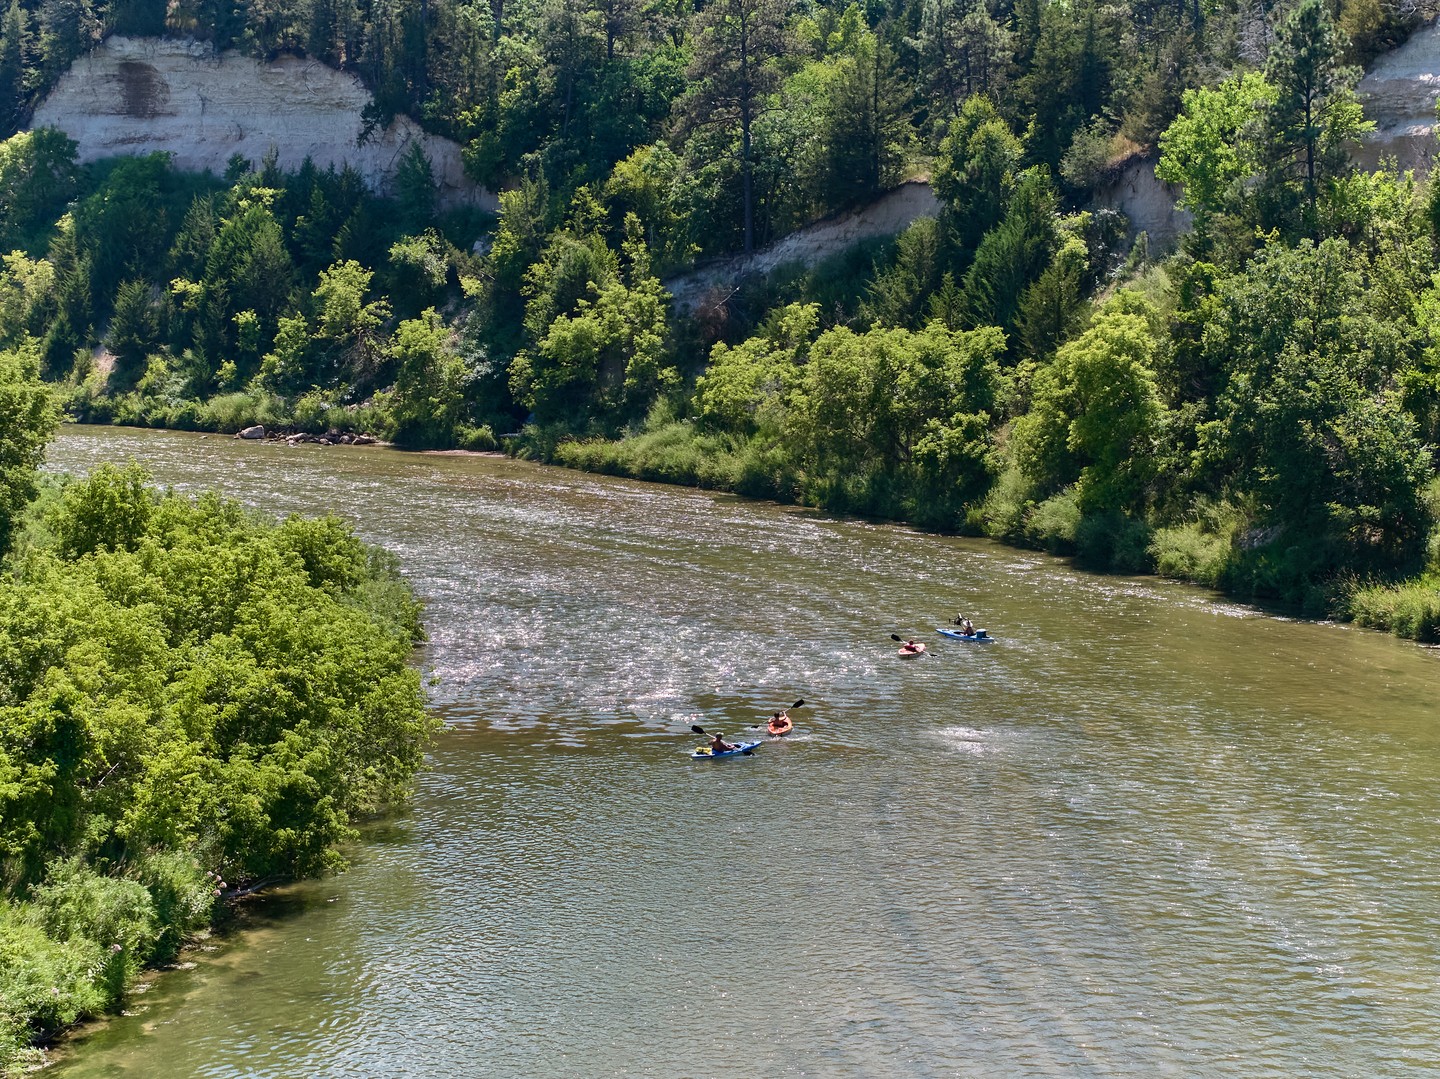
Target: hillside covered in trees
x,y
1258,411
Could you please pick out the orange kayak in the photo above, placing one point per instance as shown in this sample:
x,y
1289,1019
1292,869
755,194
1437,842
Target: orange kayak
x,y
911,653
777,730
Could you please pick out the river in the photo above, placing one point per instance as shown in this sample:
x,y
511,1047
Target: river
x,y
1147,832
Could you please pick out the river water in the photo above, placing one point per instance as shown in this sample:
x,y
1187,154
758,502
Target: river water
x,y
1146,833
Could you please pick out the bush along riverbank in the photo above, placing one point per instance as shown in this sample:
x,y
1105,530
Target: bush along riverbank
x,y
194,702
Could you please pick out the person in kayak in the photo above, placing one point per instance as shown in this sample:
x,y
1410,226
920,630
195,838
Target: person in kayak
x,y
779,723
719,745
912,646
967,627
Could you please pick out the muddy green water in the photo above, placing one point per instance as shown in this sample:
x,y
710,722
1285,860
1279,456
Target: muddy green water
x,y
1147,833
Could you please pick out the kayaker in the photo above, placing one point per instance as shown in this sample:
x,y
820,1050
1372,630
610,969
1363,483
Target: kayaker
x,y
779,723
911,645
967,627
719,745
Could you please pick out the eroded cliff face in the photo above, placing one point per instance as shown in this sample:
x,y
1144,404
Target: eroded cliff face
x,y
709,285
140,95
1399,93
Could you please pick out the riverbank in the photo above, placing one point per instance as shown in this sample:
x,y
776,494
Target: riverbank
x,y
1205,553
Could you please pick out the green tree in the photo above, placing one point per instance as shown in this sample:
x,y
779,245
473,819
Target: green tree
x,y
865,124
739,47
744,389
135,331
1207,150
15,44
1309,425
605,362
37,178
1314,115
415,188
429,383
27,419
977,166
1013,254
339,342
1095,417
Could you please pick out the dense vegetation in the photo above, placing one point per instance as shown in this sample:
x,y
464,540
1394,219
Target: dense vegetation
x,y
193,702
1258,411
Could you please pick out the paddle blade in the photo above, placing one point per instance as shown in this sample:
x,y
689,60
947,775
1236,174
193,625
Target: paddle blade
x,y
895,636
798,703
697,728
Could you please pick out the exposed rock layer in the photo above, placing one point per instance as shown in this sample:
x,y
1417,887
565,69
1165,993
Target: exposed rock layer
x,y
140,95
886,216
1399,93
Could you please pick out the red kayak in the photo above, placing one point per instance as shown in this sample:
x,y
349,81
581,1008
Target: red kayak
x,y
906,652
779,728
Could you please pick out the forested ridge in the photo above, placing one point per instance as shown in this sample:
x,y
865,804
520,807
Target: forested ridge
x,y
1257,411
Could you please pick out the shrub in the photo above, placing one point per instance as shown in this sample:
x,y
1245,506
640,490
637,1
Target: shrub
x,y
1054,524
476,439
76,903
1190,553
231,412
45,984
183,896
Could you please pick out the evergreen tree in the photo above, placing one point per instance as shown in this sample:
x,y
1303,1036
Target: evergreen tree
x,y
1314,115
14,54
134,332
865,125
739,46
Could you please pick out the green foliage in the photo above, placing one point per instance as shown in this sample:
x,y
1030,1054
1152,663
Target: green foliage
x,y
430,384
1409,610
27,418
1204,150
1312,118
1095,416
1012,255
979,160
109,512
1308,423
37,178
608,357
188,696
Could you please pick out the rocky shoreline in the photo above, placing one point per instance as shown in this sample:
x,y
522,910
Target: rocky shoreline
x,y
290,436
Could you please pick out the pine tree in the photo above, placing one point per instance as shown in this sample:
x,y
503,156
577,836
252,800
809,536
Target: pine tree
x,y
1314,115
738,48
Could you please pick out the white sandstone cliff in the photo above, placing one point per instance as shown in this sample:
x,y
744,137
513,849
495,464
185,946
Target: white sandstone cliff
x,y
140,95
1399,93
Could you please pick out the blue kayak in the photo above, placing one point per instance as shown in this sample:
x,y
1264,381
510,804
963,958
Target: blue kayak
x,y
704,753
978,637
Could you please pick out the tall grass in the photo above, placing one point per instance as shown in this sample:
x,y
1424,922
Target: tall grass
x,y
1409,609
672,453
